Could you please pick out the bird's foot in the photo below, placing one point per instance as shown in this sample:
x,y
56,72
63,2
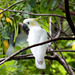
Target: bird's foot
x,y
40,62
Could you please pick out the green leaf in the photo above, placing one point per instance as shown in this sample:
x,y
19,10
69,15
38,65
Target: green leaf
x,y
6,38
28,8
53,3
32,3
17,14
45,5
26,15
59,12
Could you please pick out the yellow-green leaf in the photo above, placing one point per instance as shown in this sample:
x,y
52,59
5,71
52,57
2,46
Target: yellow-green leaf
x,y
9,20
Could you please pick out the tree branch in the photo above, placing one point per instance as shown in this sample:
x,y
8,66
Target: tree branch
x,y
59,31
68,16
63,63
11,6
70,38
28,56
34,13
61,51
71,12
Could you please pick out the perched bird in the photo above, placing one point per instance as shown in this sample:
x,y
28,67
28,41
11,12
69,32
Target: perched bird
x,y
37,35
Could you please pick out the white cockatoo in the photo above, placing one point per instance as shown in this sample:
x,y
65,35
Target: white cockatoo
x,y
37,35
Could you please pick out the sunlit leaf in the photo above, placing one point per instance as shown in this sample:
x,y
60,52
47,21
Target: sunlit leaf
x,y
73,46
9,20
53,3
6,38
1,15
6,44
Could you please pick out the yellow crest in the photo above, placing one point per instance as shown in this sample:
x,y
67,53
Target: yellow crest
x,y
36,19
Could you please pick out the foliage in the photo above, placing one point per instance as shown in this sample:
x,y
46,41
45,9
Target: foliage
x,y
9,24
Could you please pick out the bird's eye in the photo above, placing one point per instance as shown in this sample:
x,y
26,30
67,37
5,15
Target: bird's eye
x,y
27,22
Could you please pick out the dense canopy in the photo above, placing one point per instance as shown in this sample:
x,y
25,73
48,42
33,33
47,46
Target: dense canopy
x,y
57,18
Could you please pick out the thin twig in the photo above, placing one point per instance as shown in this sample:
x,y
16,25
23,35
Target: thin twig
x,y
71,3
71,12
59,29
34,13
11,6
29,56
61,51
7,3
62,62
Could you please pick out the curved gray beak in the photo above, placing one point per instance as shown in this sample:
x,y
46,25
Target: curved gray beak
x,y
25,28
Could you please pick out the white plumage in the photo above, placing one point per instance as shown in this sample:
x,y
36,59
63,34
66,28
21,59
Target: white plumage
x,y
37,35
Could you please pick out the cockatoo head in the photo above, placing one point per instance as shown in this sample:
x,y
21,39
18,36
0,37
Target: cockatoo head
x,y
31,22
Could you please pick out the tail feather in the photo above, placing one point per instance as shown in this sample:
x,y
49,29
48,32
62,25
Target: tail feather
x,y
40,64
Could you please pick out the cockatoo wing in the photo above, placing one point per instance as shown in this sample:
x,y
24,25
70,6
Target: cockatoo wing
x,y
38,35
10,50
